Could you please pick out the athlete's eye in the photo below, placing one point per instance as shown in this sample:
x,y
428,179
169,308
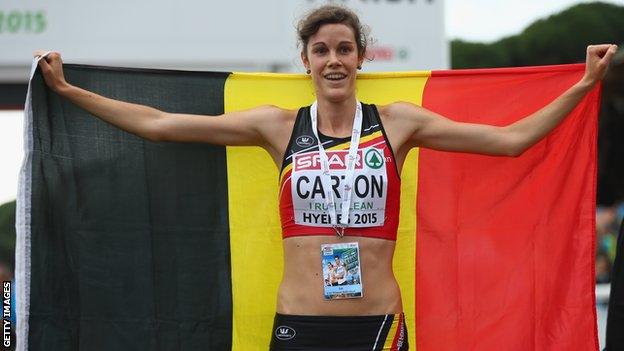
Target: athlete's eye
x,y
346,49
319,50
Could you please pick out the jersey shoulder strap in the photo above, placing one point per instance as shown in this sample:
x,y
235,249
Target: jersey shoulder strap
x,y
302,138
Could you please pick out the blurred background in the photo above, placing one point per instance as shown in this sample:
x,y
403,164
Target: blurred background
x,y
237,35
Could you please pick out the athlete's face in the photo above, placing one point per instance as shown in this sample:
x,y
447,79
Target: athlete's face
x,y
332,57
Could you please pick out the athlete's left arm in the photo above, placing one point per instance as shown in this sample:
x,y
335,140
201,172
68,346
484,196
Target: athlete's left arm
x,y
416,126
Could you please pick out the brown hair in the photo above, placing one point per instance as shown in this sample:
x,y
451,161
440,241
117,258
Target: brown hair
x,y
332,14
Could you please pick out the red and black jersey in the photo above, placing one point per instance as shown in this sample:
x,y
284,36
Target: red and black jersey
x,y
374,208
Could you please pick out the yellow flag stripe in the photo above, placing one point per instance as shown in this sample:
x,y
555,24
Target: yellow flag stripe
x,y
255,240
383,89
255,232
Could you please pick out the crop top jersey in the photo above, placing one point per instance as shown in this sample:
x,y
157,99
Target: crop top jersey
x,y
374,210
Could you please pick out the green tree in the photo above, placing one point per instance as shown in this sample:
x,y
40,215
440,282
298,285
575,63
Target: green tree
x,y
560,38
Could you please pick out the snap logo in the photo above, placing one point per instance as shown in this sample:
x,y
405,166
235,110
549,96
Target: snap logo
x,y
284,332
305,140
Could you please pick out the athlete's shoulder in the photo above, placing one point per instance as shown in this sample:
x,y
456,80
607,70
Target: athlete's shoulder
x,y
276,113
401,120
272,119
399,110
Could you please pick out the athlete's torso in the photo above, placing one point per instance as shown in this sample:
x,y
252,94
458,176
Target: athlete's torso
x,y
302,287
301,290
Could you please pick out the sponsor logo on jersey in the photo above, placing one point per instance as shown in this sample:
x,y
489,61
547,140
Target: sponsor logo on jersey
x,y
337,160
284,332
374,159
305,140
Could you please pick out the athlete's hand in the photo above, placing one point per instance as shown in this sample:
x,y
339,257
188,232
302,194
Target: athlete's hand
x,y
597,61
52,69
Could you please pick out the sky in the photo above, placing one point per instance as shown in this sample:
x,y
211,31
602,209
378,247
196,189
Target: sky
x,y
490,20
476,20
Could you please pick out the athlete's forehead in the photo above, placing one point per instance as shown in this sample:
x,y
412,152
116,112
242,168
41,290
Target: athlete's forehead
x,y
333,34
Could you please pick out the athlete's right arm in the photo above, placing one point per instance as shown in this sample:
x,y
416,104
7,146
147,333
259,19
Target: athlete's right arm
x,y
249,127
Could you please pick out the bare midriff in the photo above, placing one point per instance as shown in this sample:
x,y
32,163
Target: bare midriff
x,y
301,290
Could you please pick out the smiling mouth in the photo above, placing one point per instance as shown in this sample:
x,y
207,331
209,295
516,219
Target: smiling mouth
x,y
335,76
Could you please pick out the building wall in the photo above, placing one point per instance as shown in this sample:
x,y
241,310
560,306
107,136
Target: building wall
x,y
240,35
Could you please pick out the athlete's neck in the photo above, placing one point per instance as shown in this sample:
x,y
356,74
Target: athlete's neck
x,y
336,118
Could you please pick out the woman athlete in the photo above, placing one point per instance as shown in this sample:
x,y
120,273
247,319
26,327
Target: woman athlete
x,y
320,170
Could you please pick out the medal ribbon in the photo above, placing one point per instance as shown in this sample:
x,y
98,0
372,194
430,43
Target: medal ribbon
x,y
346,190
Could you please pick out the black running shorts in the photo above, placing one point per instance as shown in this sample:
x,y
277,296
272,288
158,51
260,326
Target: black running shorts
x,y
357,333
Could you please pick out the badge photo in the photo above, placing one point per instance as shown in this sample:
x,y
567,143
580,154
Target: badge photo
x,y
342,277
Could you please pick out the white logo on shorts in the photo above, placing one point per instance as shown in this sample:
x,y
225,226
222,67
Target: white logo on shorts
x,y
284,332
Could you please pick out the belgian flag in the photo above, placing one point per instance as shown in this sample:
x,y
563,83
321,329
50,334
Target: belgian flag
x,y
126,244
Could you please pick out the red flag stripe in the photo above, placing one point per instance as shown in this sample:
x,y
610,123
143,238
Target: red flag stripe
x,y
506,245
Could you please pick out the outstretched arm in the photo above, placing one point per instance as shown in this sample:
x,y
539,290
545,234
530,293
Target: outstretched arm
x,y
250,127
428,129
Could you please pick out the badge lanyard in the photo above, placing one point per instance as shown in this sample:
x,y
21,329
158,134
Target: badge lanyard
x,y
347,189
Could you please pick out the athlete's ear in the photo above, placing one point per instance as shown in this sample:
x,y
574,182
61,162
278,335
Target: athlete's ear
x,y
305,61
360,61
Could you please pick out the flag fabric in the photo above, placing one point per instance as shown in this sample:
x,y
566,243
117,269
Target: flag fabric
x,y
128,244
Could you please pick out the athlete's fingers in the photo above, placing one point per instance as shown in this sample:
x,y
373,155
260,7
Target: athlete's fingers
x,y
45,66
601,50
609,53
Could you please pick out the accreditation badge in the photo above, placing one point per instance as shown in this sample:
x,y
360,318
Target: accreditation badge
x,y
342,276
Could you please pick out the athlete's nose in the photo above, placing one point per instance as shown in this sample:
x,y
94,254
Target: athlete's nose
x,y
333,59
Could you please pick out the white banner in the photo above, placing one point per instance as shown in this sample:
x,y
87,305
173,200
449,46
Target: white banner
x,y
227,35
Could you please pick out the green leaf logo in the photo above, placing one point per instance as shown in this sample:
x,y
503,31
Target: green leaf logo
x,y
374,159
